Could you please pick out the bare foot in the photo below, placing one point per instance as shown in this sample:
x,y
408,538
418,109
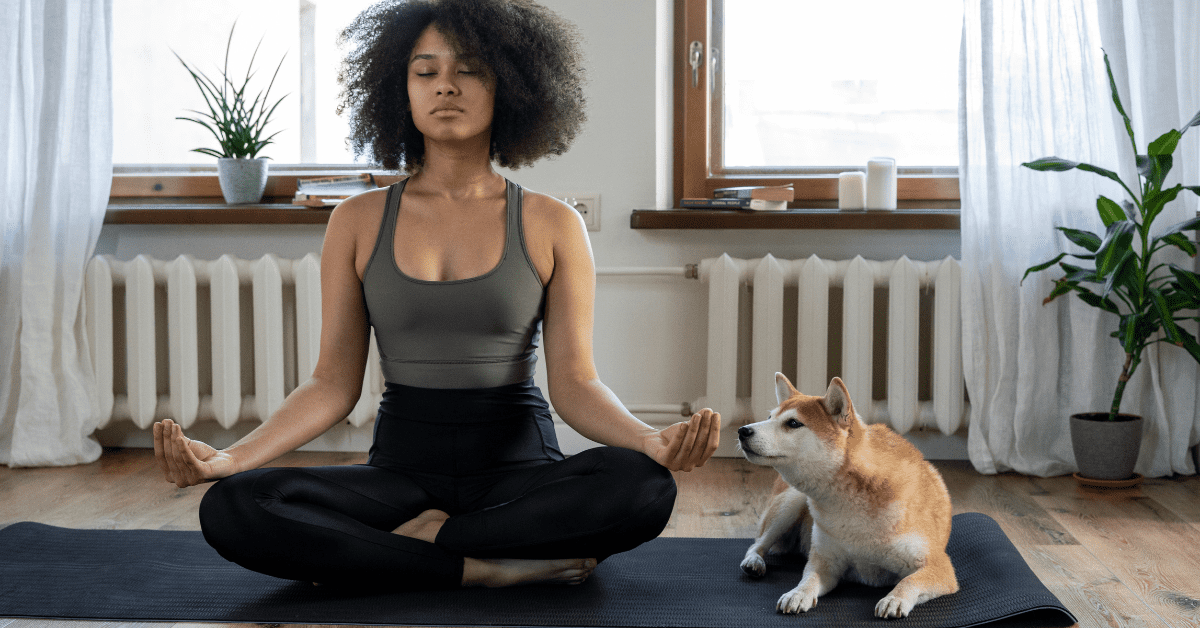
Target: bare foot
x,y
424,527
507,572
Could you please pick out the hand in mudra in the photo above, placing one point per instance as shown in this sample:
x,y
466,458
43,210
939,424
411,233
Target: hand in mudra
x,y
188,462
687,444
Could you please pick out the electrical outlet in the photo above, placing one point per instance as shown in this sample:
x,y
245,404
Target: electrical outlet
x,y
588,206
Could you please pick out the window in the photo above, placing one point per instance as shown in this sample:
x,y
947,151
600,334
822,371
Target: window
x,y
769,91
151,88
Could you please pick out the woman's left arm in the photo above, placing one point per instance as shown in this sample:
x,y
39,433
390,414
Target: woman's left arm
x,y
576,392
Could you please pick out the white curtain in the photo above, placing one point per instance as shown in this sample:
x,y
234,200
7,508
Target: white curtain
x,y
56,163
1034,85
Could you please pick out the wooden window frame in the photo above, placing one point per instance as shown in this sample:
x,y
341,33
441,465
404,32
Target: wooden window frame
x,y
693,176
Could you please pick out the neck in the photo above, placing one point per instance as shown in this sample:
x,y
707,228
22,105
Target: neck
x,y
456,170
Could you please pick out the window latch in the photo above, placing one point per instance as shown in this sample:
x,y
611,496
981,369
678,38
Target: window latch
x,y
695,50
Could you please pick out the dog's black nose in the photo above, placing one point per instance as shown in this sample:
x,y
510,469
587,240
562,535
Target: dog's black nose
x,y
745,431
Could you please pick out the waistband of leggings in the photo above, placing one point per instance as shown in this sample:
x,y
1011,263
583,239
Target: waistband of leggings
x,y
462,405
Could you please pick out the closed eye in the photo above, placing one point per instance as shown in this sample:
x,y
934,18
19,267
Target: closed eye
x,y
794,424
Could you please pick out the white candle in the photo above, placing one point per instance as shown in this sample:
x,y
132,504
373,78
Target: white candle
x,y
852,190
881,183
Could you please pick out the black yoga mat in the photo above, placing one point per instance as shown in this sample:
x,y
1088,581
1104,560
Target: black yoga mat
x,y
50,572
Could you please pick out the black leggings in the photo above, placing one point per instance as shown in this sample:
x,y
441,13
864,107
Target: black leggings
x,y
487,457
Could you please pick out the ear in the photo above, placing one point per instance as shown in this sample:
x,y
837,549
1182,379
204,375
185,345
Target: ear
x,y
837,402
783,388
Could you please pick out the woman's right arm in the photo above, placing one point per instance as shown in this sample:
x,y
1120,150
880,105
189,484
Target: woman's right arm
x,y
316,405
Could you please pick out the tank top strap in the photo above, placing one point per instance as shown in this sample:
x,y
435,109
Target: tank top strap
x,y
387,226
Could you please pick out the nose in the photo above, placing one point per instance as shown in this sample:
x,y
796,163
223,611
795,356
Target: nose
x,y
745,432
447,87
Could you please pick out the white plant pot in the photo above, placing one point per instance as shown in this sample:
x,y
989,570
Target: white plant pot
x,y
242,180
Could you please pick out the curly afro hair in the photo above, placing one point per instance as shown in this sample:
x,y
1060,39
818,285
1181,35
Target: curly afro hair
x,y
532,54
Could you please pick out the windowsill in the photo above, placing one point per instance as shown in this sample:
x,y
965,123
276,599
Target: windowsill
x,y
806,218
211,211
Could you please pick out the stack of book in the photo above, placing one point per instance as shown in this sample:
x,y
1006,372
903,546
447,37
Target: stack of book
x,y
326,191
758,198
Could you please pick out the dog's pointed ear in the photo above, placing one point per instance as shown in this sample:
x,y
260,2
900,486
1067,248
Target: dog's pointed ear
x,y
837,402
783,388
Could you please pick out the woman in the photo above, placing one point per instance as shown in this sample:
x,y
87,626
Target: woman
x,y
457,269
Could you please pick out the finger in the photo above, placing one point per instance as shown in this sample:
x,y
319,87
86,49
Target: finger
x,y
673,443
710,438
168,442
158,451
714,437
194,463
181,456
178,464
689,441
703,431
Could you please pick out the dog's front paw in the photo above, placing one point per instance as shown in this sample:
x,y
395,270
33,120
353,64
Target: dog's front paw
x,y
796,601
892,607
754,565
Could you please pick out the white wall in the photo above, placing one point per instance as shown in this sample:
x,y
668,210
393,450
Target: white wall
x,y
649,331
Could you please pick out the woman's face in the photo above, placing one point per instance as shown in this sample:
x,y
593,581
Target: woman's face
x,y
452,97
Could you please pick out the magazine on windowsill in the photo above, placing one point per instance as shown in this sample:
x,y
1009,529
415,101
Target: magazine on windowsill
x,y
329,191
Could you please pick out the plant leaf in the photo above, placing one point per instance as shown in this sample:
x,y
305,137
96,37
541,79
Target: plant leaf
x,y
1109,210
1097,301
1117,243
1057,164
1166,316
1155,201
1178,240
1061,287
1121,274
1194,188
1086,239
1188,341
1042,266
1189,282
1165,144
1116,97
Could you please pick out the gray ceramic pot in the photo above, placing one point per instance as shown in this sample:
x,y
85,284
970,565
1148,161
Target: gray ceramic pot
x,y
1106,450
242,180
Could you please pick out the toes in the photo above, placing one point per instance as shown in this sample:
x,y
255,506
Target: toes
x,y
892,607
754,566
795,602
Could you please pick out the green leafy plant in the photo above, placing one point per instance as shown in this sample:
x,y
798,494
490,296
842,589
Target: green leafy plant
x,y
1148,296
233,118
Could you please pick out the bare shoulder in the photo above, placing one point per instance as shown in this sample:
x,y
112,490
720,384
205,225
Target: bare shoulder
x,y
550,214
359,210
354,226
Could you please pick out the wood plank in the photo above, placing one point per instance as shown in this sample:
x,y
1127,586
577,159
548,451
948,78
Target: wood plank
x,y
1007,498
1181,494
1145,545
722,499
1086,586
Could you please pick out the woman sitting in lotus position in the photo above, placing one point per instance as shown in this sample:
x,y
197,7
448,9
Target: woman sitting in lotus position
x,y
459,271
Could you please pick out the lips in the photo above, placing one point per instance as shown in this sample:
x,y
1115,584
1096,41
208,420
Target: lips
x,y
447,108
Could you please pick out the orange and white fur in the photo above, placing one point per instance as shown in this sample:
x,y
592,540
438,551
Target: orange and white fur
x,y
860,499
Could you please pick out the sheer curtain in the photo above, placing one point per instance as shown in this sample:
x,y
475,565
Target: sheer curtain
x,y
1033,85
56,143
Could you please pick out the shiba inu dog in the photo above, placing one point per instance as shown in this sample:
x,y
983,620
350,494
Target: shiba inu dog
x,y
860,500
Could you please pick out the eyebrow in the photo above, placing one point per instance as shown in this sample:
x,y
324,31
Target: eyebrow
x,y
430,56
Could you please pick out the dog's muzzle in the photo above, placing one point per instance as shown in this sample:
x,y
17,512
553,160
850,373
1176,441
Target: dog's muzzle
x,y
745,433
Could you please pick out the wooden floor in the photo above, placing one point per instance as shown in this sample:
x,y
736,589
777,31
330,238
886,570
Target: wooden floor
x,y
1114,559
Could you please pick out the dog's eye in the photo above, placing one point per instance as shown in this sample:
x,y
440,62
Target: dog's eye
x,y
794,424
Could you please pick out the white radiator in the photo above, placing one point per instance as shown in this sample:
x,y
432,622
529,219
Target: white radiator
x,y
734,284
239,336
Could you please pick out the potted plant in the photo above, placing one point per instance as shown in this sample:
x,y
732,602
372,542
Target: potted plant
x,y
1127,279
238,121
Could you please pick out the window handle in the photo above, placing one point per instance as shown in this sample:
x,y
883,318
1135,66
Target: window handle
x,y
694,52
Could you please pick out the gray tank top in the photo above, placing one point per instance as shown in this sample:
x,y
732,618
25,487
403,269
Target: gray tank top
x,y
468,333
